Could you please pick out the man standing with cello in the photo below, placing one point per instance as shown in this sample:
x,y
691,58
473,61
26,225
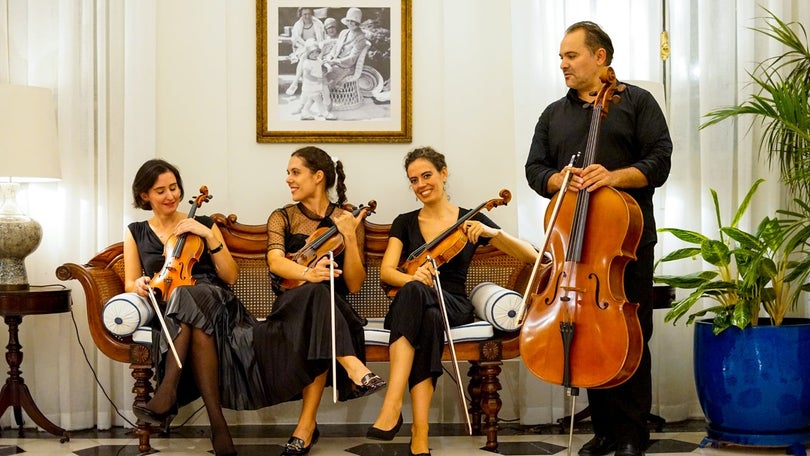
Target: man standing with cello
x,y
633,155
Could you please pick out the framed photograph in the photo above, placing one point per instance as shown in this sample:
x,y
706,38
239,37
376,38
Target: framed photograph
x,y
337,71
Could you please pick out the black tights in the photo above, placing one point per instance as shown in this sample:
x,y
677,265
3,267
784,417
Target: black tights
x,y
203,361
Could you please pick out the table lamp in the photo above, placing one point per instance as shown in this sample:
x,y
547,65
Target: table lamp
x,y
28,153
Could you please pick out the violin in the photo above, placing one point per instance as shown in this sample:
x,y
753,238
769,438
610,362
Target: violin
x,y
181,253
319,244
447,244
580,330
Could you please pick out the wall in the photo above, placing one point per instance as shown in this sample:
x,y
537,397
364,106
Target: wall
x,y
205,112
204,121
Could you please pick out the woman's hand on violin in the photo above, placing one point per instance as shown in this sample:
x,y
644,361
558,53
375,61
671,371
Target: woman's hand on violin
x,y
424,274
475,230
142,286
320,271
190,225
346,223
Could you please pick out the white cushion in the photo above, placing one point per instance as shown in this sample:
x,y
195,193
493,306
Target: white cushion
x,y
143,335
477,330
497,305
125,312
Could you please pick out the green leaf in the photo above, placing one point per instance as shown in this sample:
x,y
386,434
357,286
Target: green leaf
x,y
680,254
715,253
692,280
745,202
691,237
746,240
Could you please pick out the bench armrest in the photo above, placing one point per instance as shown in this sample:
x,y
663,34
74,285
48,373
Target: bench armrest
x,y
101,279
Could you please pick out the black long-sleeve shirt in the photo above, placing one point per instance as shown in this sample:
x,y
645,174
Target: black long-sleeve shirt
x,y
634,133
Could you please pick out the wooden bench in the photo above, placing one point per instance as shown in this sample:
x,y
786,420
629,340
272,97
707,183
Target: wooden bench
x,y
103,278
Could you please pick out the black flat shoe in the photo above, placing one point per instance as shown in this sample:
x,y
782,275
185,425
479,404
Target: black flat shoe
x,y
370,384
598,446
379,434
295,446
162,420
628,449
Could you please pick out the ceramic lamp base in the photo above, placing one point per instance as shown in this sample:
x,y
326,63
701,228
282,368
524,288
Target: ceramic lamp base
x,y
19,237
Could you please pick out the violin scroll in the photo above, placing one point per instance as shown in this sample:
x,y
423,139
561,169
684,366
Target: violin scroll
x,y
505,198
370,207
203,197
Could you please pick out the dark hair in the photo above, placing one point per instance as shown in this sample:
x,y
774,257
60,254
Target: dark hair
x,y
145,178
315,160
429,154
595,38
302,8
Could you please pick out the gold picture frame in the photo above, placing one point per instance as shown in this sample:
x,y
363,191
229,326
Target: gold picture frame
x,y
368,103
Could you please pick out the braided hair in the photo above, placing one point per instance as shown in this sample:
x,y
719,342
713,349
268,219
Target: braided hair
x,y
315,160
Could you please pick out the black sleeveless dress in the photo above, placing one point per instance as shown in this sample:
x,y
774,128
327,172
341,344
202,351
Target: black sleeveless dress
x,y
212,306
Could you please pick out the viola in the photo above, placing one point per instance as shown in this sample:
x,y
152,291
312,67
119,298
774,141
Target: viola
x,y
580,329
447,244
181,253
319,244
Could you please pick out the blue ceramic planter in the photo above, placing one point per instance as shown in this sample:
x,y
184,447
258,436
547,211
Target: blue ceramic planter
x,y
753,384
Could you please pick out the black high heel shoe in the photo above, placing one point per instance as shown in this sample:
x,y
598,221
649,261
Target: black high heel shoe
x,y
370,384
295,446
379,434
161,420
411,453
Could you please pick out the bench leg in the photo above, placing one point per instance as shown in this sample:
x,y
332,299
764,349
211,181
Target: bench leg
x,y
474,389
141,365
490,401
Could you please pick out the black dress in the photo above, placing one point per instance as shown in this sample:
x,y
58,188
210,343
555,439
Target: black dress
x,y
415,313
293,345
211,306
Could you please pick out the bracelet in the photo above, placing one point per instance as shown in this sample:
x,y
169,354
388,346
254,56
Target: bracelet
x,y
219,247
304,274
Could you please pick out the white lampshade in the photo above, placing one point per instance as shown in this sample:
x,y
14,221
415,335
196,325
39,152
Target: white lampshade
x,y
28,153
28,145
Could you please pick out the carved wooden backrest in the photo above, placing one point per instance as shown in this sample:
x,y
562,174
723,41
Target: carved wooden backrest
x,y
248,243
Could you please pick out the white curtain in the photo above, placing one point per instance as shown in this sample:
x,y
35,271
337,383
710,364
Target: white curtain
x,y
75,48
712,46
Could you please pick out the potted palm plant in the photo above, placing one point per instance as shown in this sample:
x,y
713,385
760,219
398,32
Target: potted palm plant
x,y
750,360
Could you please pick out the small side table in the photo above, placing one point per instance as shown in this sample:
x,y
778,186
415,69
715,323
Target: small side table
x,y
14,305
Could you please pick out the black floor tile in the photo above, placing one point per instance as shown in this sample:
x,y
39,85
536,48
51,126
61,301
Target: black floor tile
x,y
670,446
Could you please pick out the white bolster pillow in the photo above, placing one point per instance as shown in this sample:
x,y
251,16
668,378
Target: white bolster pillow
x,y
497,305
124,313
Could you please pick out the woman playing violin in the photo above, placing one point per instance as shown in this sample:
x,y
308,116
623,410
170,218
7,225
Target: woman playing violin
x,y
210,328
414,318
293,345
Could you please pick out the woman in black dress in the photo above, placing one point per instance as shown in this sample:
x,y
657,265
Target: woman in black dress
x,y
416,341
293,345
210,328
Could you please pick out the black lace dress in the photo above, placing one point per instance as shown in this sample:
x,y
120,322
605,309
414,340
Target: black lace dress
x,y
293,345
211,306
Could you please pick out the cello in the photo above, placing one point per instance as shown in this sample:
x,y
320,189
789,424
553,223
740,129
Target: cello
x,y
580,329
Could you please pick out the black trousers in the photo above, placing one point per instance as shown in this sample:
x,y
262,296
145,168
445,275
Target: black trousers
x,y
621,412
